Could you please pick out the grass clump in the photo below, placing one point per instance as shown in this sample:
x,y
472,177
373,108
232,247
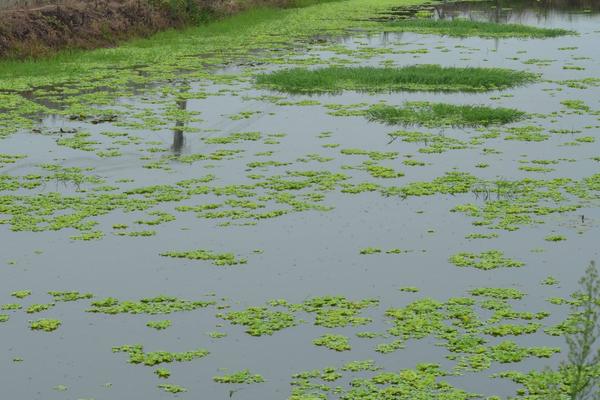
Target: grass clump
x,y
464,28
441,114
411,78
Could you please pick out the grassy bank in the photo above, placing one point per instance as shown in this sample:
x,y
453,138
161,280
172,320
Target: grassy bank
x,y
416,77
41,31
194,47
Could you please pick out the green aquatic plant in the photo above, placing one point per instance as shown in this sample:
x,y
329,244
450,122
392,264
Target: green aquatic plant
x,y
36,308
423,382
153,305
163,373
44,324
486,260
206,255
70,296
336,311
234,138
11,306
481,236
138,356
159,325
21,294
333,342
386,348
409,289
464,28
370,250
260,321
241,377
170,388
420,77
550,281
441,114
432,143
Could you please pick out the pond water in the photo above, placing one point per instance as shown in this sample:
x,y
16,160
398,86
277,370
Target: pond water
x,y
314,247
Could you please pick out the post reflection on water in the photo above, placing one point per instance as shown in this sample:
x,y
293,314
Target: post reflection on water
x,y
180,124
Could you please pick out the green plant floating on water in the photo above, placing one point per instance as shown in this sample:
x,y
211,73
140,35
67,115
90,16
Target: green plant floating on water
x,y
219,259
138,356
550,281
46,325
163,373
420,383
441,114
333,342
153,305
170,388
486,260
417,77
261,321
241,377
370,250
4,317
36,308
70,296
159,325
555,238
465,28
21,294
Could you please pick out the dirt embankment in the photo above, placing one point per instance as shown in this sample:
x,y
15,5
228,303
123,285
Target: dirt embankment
x,y
85,24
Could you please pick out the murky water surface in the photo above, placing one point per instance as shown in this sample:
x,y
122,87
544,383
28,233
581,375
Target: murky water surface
x,y
309,253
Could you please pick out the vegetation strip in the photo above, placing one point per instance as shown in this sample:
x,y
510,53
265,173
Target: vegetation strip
x,y
464,28
412,78
441,114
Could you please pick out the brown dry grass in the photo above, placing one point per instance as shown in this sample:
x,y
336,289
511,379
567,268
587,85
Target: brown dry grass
x,y
85,24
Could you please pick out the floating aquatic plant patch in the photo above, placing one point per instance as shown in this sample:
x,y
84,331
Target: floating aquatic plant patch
x,y
333,342
154,305
486,260
240,377
138,356
207,255
44,324
412,78
159,325
463,28
171,388
441,114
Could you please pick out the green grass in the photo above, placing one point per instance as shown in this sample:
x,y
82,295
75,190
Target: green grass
x,y
417,77
463,28
441,114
